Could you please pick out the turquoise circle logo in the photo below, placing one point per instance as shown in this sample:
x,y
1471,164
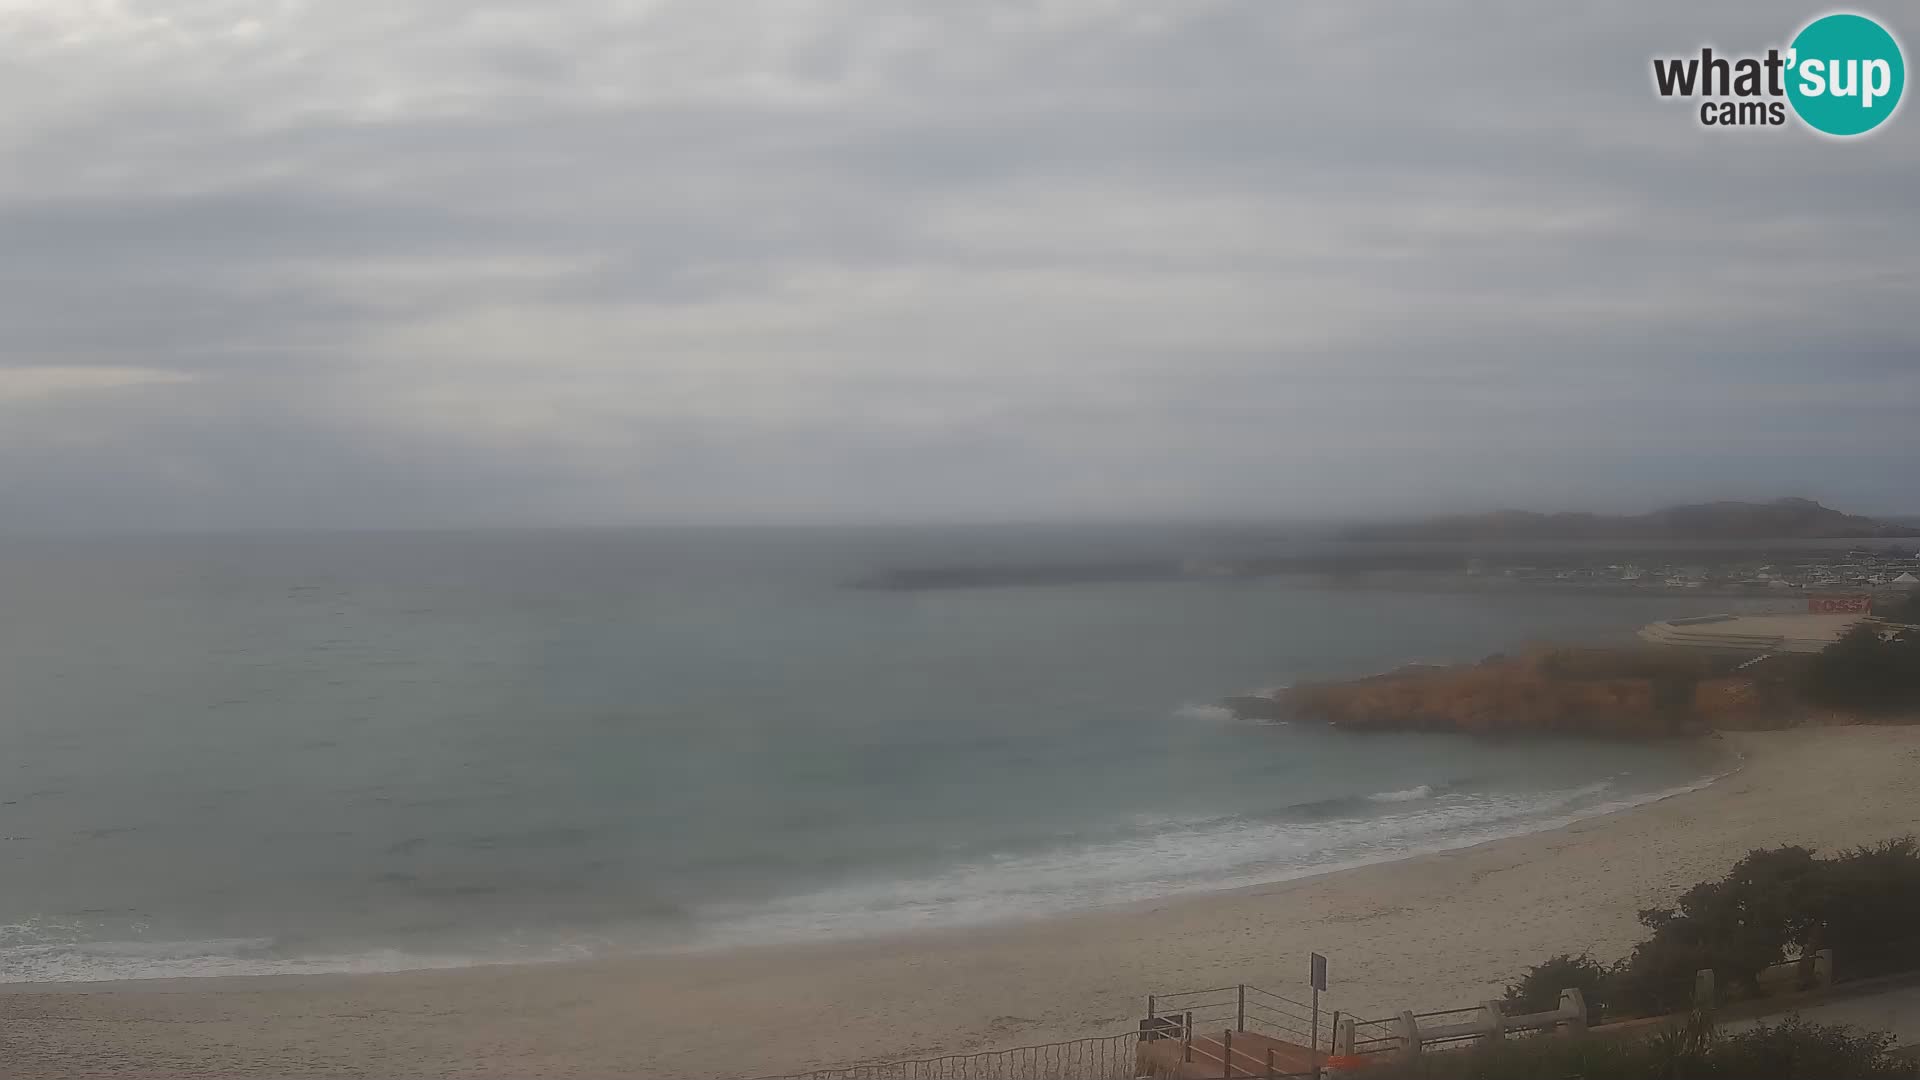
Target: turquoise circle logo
x,y
1845,74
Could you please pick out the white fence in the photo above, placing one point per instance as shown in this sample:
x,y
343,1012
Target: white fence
x,y
1410,1034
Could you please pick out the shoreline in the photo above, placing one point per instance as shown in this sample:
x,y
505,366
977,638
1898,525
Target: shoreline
x,y
1431,930
1718,762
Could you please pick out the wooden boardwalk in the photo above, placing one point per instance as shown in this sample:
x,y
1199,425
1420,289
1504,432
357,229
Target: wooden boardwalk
x,y
1167,1057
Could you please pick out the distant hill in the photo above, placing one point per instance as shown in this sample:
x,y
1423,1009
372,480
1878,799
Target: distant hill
x,y
1780,519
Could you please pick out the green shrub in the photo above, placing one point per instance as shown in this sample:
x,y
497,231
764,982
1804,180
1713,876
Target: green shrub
x,y
1737,926
1864,904
1866,671
1539,989
1793,1050
1789,1051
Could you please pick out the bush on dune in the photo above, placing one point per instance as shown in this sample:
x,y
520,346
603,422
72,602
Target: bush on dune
x,y
1539,989
1737,926
1864,904
1789,1051
1794,1049
1866,671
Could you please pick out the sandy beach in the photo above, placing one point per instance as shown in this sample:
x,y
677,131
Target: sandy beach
x,y
1426,932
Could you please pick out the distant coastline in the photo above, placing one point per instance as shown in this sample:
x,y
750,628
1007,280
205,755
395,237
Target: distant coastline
x,y
1611,567
1788,518
1674,543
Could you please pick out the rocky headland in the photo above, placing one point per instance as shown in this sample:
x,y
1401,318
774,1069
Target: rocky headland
x,y
1623,692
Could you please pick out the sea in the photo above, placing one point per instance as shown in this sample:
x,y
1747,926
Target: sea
x,y
354,752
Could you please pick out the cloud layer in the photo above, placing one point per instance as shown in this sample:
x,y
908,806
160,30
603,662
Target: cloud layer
x,y
351,262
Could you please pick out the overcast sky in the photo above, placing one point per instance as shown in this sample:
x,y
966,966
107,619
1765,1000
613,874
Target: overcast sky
x,y
290,263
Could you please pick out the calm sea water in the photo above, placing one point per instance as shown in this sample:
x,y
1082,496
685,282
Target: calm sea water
x,y
369,752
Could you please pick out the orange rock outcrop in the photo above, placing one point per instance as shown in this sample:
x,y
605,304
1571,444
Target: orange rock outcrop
x,y
1613,692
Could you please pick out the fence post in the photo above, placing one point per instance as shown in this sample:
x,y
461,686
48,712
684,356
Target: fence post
x,y
1226,1055
1823,968
1149,1006
1186,1038
1333,1036
1409,1036
1703,990
1573,1011
1496,1021
1343,1036
1269,1063
1313,1036
1240,1014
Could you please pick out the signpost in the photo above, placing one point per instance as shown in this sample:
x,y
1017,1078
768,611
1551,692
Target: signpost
x,y
1317,975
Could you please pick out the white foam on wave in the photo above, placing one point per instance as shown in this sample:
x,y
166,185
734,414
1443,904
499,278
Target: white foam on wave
x,y
114,961
1207,714
1424,791
1407,666
1167,856
1204,857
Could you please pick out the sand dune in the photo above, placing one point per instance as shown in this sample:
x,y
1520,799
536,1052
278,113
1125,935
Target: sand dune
x,y
1425,932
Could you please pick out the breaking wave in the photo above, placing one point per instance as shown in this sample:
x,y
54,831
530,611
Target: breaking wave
x,y
1424,791
1172,858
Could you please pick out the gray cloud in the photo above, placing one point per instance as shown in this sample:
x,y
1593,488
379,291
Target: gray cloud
x,y
355,263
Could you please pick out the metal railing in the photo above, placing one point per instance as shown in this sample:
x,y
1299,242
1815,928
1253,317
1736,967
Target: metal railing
x,y
1373,1036
1112,1057
1236,1064
1183,1017
1412,1033
1184,1051
1445,1028
1241,1063
1798,974
1234,1032
1245,1007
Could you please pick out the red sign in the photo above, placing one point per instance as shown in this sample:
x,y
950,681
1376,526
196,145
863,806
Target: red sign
x,y
1839,605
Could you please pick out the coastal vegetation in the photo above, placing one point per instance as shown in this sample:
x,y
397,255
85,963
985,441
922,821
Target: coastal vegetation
x,y
1774,905
1867,671
1539,989
1872,672
1792,1050
1626,692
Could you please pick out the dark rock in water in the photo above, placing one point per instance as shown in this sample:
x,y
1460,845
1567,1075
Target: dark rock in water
x,y
1253,707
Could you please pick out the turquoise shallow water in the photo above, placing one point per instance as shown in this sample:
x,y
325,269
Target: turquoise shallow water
x,y
368,752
